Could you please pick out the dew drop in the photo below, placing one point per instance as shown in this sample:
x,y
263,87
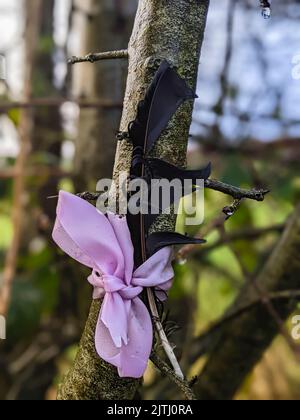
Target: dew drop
x,y
182,262
266,12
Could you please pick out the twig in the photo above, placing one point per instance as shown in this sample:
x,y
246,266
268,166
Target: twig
x,y
228,55
238,194
88,196
212,184
264,296
93,58
265,3
268,303
162,335
217,223
261,292
36,171
235,192
57,102
206,336
26,126
183,385
239,235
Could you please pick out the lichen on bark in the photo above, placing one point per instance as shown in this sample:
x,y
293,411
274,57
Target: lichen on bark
x,y
164,29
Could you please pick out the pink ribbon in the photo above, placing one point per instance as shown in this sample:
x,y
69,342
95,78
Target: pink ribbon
x,y
124,332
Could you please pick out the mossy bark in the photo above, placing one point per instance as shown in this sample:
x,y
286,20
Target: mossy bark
x,y
241,343
164,29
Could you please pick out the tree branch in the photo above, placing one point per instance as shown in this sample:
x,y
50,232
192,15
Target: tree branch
x,y
251,233
183,385
206,341
163,336
241,343
57,102
212,184
239,195
25,131
235,192
93,58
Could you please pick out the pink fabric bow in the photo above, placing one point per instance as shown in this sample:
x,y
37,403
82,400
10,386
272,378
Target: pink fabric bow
x,y
124,332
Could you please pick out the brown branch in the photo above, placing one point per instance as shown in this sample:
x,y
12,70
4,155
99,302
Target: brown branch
x,y
241,235
204,343
57,102
163,336
93,58
228,55
264,297
268,303
253,148
36,171
183,385
33,22
239,195
241,343
88,196
218,223
235,192
212,184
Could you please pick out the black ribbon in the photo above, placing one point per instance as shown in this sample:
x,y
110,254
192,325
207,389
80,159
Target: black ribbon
x,y
165,95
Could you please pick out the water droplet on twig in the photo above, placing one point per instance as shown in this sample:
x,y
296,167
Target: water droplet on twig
x,y
182,261
266,12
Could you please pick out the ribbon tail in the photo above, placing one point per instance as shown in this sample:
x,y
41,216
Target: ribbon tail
x,y
115,317
105,346
135,356
131,359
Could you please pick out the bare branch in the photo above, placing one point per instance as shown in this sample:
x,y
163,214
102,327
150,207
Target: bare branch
x,y
93,58
243,234
89,196
25,130
57,102
235,192
264,297
212,184
162,335
218,223
203,344
240,344
183,385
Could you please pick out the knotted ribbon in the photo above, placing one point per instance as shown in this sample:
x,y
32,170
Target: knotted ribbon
x,y
124,332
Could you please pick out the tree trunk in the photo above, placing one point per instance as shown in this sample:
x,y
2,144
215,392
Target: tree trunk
x,y
45,138
47,133
171,30
32,13
108,29
242,342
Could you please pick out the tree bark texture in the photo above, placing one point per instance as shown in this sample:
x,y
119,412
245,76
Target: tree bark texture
x,y
164,29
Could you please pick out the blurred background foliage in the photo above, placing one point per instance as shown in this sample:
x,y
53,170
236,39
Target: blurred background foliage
x,y
246,122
